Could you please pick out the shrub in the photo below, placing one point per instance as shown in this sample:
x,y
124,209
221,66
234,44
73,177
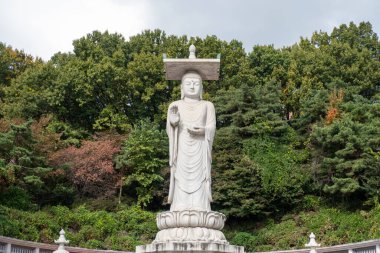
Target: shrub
x,y
244,239
16,197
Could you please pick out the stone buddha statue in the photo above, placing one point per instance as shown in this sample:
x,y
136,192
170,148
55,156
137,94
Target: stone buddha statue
x,y
191,129
190,225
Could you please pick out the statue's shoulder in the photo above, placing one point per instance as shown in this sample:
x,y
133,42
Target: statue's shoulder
x,y
208,104
175,103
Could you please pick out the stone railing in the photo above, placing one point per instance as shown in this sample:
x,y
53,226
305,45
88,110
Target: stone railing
x,y
11,245
372,246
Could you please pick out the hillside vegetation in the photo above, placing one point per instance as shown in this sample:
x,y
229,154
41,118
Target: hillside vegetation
x,y
297,148
127,227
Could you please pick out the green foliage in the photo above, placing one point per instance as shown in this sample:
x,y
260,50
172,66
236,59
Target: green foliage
x,y
24,173
96,76
121,241
110,120
16,197
19,162
132,226
244,196
32,94
13,62
332,227
245,115
110,83
68,134
310,203
252,111
266,62
350,165
313,109
283,179
139,222
243,239
143,156
297,127
123,230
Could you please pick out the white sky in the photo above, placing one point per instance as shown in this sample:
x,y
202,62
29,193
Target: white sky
x,y
44,27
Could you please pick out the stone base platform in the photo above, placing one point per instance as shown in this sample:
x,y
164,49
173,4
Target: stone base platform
x,y
189,247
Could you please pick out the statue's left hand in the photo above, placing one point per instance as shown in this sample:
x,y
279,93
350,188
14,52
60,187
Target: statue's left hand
x,y
196,130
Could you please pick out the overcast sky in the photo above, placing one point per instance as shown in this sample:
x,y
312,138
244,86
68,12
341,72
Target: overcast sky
x,y
44,27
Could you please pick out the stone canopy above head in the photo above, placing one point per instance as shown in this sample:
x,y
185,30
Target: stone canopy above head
x,y
208,69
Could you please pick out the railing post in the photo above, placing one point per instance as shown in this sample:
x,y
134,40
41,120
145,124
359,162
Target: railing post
x,y
378,248
312,244
37,250
350,251
8,248
61,242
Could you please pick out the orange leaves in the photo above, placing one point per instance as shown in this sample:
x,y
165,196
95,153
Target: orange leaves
x,y
335,98
332,113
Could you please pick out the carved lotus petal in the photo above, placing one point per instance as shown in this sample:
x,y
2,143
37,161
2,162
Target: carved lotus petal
x,y
190,218
190,234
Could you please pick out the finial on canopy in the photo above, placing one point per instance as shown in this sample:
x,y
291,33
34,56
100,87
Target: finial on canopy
x,y
192,50
175,68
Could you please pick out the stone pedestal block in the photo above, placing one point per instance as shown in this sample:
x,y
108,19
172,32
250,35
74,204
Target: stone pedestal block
x,y
189,247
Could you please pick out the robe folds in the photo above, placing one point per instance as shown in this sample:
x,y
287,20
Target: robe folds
x,y
190,156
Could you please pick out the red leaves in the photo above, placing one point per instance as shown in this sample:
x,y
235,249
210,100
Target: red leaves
x,y
91,166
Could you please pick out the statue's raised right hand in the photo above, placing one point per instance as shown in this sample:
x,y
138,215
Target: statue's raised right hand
x,y
174,115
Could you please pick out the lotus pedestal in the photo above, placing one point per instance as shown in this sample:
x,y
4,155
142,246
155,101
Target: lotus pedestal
x,y
190,231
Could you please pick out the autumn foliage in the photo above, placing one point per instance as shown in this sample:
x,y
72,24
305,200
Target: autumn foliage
x,y
91,166
335,98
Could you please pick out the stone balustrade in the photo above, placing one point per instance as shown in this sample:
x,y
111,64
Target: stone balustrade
x,y
372,246
11,245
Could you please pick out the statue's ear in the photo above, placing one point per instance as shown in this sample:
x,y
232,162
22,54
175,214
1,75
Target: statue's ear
x,y
182,93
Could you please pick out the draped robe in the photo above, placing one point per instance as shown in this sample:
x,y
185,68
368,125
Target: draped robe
x,y
190,156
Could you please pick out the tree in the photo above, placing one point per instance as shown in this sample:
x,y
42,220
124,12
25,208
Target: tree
x,y
12,63
248,116
97,75
147,87
308,108
91,166
314,108
24,171
349,147
242,197
280,168
32,93
268,63
142,158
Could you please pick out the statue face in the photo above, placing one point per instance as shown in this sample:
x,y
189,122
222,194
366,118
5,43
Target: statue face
x,y
192,86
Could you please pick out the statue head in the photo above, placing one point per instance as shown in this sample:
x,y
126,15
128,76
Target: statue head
x,y
191,85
